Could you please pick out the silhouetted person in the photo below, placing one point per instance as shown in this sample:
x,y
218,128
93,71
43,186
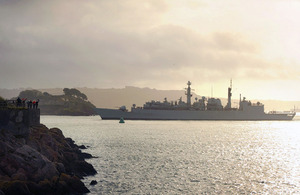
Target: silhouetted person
x,y
19,102
23,102
33,104
37,103
30,104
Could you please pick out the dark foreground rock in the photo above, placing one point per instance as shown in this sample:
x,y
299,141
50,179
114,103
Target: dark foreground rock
x,y
93,182
44,162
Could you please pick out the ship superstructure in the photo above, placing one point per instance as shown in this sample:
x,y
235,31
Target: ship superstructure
x,y
199,104
202,109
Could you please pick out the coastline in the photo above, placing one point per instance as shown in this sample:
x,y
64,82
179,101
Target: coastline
x,y
42,162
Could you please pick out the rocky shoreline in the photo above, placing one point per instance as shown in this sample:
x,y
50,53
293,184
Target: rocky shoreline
x,y
42,162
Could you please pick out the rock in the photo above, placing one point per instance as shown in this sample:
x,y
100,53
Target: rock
x,y
20,175
93,182
73,183
34,188
60,167
3,148
44,162
83,168
15,187
34,162
82,147
70,142
45,186
84,155
9,165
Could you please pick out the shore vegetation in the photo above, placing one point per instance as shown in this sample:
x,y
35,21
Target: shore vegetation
x,y
72,102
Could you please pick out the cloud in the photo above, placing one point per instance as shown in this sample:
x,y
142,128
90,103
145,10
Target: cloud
x,y
117,43
233,42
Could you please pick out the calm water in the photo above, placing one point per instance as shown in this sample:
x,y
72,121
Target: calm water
x,y
188,157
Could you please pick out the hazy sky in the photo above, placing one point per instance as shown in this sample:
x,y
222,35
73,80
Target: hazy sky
x,y
157,43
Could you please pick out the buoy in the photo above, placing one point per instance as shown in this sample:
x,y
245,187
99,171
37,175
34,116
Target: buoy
x,y
121,120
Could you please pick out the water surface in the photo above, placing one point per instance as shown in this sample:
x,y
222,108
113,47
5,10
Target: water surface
x,y
188,157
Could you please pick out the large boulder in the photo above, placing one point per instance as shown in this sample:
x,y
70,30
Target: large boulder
x,y
35,164
45,162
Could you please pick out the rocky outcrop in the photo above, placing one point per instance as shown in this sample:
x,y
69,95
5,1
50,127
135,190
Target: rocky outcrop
x,y
42,162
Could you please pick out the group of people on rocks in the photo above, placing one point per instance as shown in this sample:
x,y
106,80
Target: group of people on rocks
x,y
30,104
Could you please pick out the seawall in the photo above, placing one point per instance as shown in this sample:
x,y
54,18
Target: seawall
x,y
18,121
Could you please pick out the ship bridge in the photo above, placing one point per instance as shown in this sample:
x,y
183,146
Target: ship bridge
x,y
251,107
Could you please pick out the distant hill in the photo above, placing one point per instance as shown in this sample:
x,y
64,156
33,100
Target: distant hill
x,y
10,93
113,98
72,102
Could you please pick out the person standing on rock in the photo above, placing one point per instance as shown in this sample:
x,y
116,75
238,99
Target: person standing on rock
x,y
23,102
19,102
37,103
33,104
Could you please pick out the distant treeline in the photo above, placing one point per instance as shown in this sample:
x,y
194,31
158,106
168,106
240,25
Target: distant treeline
x,y
72,102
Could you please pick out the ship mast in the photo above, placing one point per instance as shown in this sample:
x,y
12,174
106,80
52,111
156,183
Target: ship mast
x,y
188,94
228,106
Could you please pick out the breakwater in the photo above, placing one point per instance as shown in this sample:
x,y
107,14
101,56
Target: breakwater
x,y
37,160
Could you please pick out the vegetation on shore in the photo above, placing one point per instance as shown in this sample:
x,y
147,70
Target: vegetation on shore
x,y
72,102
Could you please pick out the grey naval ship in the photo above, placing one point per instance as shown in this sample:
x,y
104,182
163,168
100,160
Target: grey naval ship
x,y
202,109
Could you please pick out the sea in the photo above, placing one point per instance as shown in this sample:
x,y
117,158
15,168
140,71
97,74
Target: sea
x,y
187,157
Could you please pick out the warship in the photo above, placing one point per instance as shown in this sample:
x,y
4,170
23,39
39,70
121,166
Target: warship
x,y
202,109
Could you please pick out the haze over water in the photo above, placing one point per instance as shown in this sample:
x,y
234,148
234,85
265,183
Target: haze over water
x,y
188,157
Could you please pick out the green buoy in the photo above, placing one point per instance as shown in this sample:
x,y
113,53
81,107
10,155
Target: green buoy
x,y
121,120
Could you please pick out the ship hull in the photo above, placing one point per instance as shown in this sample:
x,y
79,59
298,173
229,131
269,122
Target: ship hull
x,y
148,114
